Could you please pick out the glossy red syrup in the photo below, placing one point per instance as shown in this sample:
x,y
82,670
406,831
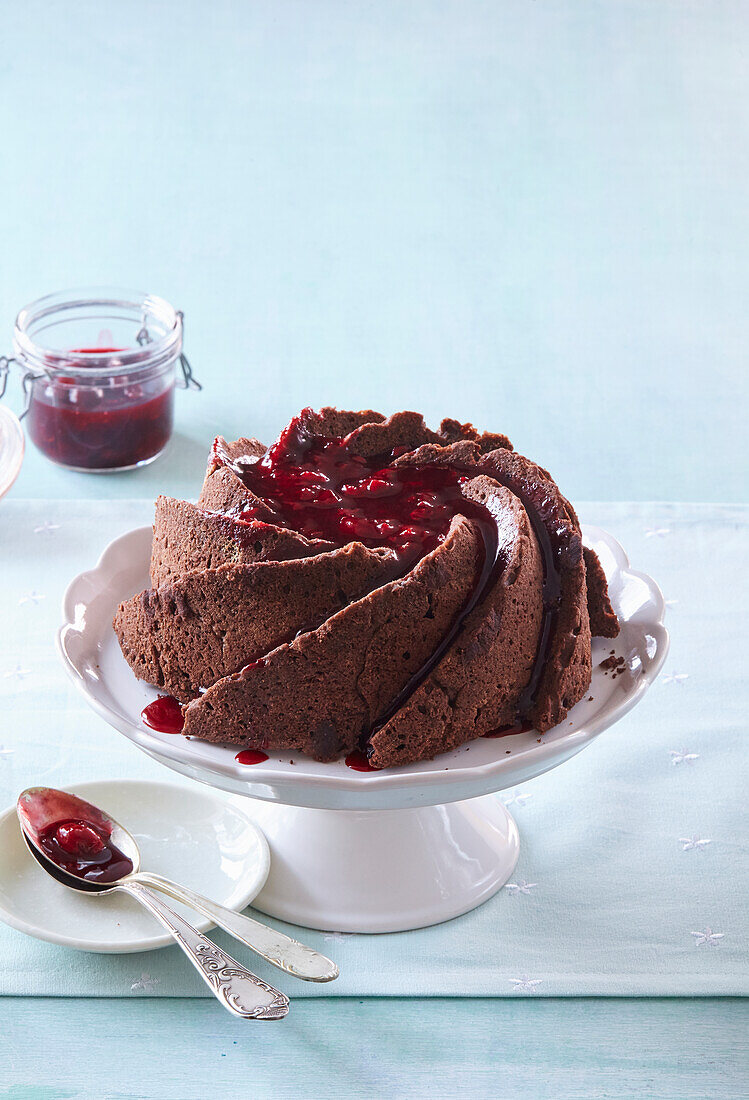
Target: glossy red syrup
x,y
84,849
317,487
164,715
107,426
358,761
251,756
514,727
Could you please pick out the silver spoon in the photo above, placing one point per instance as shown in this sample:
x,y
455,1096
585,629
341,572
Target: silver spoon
x,y
86,850
96,856
39,806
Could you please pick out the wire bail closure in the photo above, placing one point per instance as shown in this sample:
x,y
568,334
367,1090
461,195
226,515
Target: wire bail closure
x,y
26,380
189,381
27,384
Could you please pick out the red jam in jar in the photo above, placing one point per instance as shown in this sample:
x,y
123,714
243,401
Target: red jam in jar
x,y
99,374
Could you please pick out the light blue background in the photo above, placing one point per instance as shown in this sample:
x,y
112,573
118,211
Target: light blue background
x,y
532,214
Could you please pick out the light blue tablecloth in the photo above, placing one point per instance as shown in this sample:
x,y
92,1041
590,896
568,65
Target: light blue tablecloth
x,y
634,859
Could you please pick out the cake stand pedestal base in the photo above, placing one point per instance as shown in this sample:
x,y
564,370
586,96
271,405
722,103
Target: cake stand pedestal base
x,y
383,870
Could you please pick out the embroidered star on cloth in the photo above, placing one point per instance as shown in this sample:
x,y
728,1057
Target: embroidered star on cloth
x,y
675,678
517,798
18,673
46,528
337,937
144,983
525,985
521,887
692,843
681,756
708,937
31,597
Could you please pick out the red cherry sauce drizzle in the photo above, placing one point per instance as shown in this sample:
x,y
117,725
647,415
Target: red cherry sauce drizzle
x,y
100,427
316,486
251,756
357,760
164,715
84,849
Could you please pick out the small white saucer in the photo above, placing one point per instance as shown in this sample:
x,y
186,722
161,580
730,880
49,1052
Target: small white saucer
x,y
188,835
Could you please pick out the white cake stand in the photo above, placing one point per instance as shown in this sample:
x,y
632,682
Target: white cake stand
x,y
376,851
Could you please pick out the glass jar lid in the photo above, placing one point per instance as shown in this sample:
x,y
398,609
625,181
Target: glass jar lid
x,y
107,330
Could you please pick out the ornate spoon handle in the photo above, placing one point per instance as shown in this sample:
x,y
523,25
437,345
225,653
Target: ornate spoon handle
x,y
238,989
280,950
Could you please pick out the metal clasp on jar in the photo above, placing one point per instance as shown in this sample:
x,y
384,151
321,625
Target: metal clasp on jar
x,y
27,379
189,381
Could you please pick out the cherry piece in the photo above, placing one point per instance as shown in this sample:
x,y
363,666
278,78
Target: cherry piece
x,y
79,839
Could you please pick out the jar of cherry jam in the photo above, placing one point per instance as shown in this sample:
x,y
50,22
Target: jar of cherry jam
x,y
99,371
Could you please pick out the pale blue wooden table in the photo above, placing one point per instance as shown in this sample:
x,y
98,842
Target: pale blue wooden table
x,y
530,215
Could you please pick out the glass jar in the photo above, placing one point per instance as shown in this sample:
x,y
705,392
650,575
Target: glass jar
x,y
99,374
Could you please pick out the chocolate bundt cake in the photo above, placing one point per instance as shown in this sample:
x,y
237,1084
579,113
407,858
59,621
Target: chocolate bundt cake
x,y
368,584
